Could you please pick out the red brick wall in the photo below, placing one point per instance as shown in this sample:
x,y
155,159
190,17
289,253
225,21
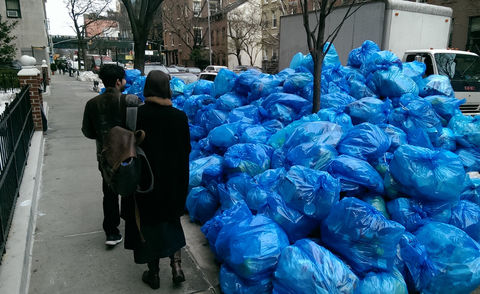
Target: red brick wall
x,y
36,98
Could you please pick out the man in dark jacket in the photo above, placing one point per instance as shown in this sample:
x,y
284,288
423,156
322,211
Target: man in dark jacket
x,y
102,113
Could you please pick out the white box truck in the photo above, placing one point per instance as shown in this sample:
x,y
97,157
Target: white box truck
x,y
413,31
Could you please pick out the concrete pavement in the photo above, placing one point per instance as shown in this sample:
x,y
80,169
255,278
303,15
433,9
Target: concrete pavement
x,y
69,255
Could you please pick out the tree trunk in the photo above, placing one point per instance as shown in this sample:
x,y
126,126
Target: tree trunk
x,y
139,47
317,80
239,57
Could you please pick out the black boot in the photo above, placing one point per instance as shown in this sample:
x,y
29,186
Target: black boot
x,y
151,277
176,264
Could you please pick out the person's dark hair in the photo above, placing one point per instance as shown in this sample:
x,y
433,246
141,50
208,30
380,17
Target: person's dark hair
x,y
110,73
157,84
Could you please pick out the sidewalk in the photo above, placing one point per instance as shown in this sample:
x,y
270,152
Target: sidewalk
x,y
69,255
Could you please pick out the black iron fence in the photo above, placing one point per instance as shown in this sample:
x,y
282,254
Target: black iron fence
x,y
16,130
8,80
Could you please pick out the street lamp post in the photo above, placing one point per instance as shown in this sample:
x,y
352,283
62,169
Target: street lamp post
x,y
209,33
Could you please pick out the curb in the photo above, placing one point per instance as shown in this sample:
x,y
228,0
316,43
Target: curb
x,y
16,263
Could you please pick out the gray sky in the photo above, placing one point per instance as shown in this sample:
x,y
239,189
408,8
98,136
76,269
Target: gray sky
x,y
60,22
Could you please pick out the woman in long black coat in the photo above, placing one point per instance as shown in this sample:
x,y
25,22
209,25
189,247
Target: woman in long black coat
x,y
167,147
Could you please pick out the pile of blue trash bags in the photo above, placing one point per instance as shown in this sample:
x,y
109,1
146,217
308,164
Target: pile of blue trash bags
x,y
372,194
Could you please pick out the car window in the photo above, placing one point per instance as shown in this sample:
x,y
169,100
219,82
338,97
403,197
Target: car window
x,y
208,77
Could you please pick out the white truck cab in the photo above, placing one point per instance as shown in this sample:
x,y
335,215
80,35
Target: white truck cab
x,y
461,67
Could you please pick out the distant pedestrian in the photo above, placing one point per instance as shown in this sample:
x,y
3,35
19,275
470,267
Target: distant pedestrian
x,y
61,68
167,147
101,114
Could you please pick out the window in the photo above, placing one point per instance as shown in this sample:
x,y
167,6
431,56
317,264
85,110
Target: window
x,y
473,41
265,54
223,35
13,8
265,1
197,7
197,36
214,6
274,19
274,54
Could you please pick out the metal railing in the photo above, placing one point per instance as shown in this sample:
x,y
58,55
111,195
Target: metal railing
x,y
16,130
9,81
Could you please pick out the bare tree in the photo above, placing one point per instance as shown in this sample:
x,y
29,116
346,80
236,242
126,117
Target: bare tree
x,y
77,9
318,44
141,14
183,21
243,32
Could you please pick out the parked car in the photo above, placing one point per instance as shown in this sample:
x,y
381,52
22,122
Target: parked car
x,y
215,68
179,68
194,70
240,68
173,72
209,75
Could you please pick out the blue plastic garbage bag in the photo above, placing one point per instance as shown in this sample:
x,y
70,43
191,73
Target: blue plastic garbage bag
x,y
331,58
359,89
354,173
382,282
472,190
228,102
203,87
361,235
247,114
245,80
413,255
377,202
197,132
188,90
228,217
224,82
231,283
137,87
201,204
428,175
335,100
381,60
357,56
310,191
194,103
369,109
271,178
416,113
278,139
251,248
264,87
321,132
407,212
435,85
364,141
439,211
255,134
336,75
213,118
397,136
337,116
307,267
199,166
296,82
470,158
300,60
131,75
177,86
393,83
225,135
445,106
312,155
307,92
466,129
454,258
421,138
466,216
446,140
229,197
248,158
273,125
382,164
295,224
414,70
299,104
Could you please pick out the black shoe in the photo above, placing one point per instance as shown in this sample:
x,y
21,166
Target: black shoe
x,y
151,279
113,240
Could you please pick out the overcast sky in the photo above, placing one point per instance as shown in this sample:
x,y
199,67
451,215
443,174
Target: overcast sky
x,y
60,22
